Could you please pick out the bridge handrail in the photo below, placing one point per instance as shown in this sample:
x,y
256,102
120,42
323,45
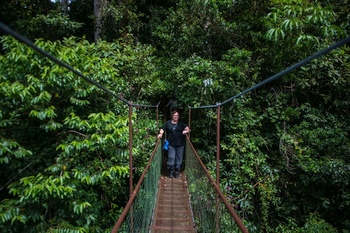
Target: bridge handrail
x,y
134,194
218,191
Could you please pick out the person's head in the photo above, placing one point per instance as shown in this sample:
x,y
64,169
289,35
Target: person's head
x,y
175,115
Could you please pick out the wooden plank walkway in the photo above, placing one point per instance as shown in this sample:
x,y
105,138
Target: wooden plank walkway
x,y
173,212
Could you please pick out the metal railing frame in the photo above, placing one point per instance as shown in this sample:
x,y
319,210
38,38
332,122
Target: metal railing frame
x,y
218,191
264,82
135,191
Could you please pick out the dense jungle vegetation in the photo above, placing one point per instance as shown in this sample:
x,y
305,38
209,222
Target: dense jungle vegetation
x,y
64,143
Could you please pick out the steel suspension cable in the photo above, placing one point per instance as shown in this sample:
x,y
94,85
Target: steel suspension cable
x,y
29,43
280,74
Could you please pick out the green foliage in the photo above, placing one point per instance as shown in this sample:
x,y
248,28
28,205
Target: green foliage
x,y
284,147
197,27
211,81
52,26
10,149
298,18
38,19
67,142
297,29
314,224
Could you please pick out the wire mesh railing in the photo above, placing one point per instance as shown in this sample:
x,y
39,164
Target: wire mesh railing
x,y
211,211
138,212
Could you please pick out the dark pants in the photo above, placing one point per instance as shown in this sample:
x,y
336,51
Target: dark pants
x,y
175,155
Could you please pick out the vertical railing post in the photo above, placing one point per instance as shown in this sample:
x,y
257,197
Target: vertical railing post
x,y
217,217
131,184
130,150
218,146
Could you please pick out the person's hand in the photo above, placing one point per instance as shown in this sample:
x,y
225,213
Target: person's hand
x,y
160,135
184,132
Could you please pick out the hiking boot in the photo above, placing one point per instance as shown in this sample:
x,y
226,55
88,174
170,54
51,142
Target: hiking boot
x,y
171,175
176,174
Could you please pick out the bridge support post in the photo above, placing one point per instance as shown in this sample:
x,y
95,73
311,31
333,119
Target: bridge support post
x,y
217,217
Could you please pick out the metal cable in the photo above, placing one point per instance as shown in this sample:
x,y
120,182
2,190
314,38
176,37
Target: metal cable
x,y
280,74
19,37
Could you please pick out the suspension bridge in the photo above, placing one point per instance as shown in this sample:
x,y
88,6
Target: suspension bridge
x,y
191,203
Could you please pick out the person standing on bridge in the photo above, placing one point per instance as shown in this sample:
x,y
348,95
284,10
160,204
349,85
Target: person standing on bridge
x,y
175,131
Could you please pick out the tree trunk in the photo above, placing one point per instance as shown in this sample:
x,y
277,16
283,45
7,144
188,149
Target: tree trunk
x,y
99,11
64,4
